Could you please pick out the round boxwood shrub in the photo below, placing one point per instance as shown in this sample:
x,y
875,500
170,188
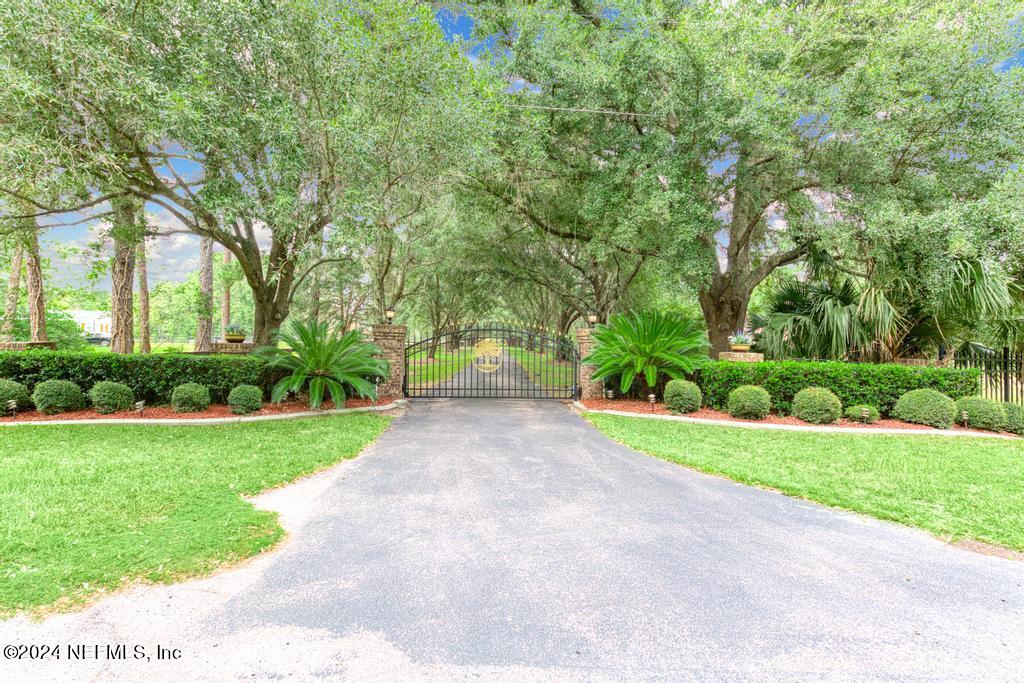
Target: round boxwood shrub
x,y
245,399
926,407
982,413
57,396
863,413
14,391
682,396
817,405
1014,418
749,402
190,398
110,397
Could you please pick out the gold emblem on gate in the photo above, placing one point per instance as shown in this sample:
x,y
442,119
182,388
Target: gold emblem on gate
x,y
487,355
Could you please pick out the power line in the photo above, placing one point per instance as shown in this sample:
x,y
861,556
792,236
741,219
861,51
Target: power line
x,y
582,110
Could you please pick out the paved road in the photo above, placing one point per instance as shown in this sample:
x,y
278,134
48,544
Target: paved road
x,y
510,540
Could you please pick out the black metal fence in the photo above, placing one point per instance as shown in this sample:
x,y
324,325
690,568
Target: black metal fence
x,y
1002,378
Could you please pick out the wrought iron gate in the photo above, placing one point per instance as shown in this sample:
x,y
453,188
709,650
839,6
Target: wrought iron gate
x,y
492,361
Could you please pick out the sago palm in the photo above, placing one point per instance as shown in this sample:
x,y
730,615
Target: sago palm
x,y
647,345
322,362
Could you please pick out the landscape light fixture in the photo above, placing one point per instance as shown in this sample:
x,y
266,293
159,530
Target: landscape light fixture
x,y
964,417
592,319
653,399
609,394
865,413
389,315
139,406
12,406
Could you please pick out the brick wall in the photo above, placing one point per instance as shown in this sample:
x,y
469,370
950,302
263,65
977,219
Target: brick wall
x,y
589,387
392,340
21,346
228,347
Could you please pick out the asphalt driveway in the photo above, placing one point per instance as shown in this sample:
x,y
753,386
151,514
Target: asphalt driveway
x,y
510,540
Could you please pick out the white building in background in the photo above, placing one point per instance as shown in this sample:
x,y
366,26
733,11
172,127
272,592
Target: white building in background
x,y
95,323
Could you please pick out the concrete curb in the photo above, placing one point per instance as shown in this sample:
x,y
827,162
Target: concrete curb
x,y
797,428
214,420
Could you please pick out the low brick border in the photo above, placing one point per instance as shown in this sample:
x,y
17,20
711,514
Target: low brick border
x,y
190,422
825,429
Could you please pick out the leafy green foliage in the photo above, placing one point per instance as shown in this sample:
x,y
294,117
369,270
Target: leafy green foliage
x,y
853,383
151,377
320,362
148,503
110,397
1014,418
245,399
817,406
926,407
14,391
982,413
749,402
645,345
57,396
190,398
954,487
682,396
863,413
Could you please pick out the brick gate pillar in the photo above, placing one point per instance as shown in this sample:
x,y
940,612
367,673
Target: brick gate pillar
x,y
589,388
391,339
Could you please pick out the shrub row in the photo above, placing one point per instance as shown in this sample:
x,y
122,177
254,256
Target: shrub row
x,y
54,396
151,377
853,383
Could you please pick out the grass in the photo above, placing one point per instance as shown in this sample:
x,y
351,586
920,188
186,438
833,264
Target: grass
x,y
953,487
544,369
86,509
442,368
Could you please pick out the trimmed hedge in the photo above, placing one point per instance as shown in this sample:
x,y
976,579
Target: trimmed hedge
x,y
245,399
190,398
926,407
110,397
682,396
151,377
1014,418
856,413
853,383
58,396
982,413
14,391
817,405
749,402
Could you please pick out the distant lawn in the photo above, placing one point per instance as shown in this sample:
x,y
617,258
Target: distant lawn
x,y
423,371
545,369
85,509
953,487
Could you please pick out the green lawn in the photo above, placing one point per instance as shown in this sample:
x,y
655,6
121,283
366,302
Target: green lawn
x,y
953,487
441,368
84,509
544,369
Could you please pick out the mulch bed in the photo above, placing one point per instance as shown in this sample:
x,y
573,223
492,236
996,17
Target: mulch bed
x,y
642,407
167,413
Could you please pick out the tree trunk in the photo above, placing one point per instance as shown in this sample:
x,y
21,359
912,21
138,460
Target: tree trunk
x,y
34,285
204,329
225,302
725,311
140,264
13,291
122,323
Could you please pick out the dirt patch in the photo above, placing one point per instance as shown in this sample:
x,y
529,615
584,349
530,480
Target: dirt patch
x,y
644,407
167,413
